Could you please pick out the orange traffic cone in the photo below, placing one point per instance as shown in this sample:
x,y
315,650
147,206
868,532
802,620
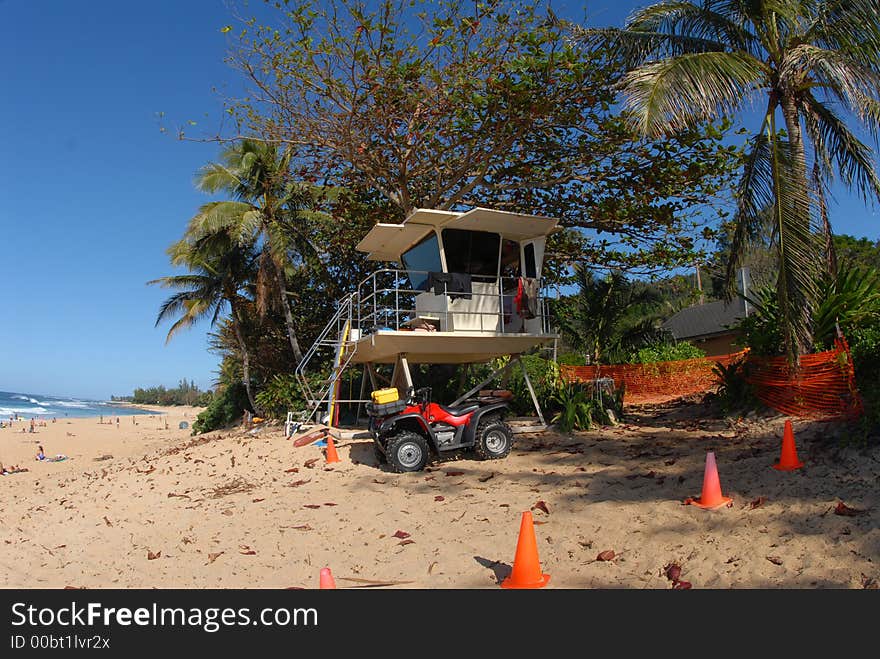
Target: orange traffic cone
x,y
327,580
332,456
526,571
788,461
711,496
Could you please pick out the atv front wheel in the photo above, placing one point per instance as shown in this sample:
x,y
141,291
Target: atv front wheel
x,y
407,451
494,439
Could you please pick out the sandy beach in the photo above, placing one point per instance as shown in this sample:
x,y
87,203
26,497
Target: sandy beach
x,y
139,506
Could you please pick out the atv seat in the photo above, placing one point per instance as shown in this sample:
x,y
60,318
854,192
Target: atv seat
x,y
459,410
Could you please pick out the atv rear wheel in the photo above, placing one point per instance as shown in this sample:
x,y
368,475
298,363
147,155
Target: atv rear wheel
x,y
494,439
407,451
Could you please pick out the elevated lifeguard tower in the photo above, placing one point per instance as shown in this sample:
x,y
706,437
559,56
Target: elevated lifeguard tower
x,y
466,288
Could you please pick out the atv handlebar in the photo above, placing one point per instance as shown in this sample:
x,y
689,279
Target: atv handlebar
x,y
421,396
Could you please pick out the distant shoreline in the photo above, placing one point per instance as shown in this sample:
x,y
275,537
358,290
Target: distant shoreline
x,y
156,408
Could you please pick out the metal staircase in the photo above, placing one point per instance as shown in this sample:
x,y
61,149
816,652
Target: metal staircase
x,y
335,337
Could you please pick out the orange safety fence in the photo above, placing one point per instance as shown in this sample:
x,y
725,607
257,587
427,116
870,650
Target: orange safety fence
x,y
657,382
822,386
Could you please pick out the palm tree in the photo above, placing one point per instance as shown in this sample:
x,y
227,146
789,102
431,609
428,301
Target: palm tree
x,y
609,315
267,210
693,61
219,269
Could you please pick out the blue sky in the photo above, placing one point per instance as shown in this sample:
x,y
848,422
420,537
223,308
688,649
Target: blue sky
x,y
91,192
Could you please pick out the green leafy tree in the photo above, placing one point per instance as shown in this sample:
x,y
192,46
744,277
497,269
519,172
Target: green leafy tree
x,y
857,251
455,104
690,61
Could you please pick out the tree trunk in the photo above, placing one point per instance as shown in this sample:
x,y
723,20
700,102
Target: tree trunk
x,y
804,338
288,315
245,359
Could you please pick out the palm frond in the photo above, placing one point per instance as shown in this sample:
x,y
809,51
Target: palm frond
x,y
850,26
754,195
676,93
251,223
696,21
183,281
216,177
855,86
216,217
635,48
195,310
833,141
192,303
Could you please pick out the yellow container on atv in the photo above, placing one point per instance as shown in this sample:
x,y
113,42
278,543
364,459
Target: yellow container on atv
x,y
382,396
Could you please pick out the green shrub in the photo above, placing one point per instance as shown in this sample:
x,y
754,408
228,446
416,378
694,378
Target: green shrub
x,y
571,359
665,352
545,378
734,393
865,349
850,301
278,395
575,408
864,345
205,399
226,407
578,405
761,331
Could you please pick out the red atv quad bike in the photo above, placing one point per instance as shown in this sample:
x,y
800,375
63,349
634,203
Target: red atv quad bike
x,y
407,434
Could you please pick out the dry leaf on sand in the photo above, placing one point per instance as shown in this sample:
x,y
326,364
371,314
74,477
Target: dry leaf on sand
x,y
757,503
846,511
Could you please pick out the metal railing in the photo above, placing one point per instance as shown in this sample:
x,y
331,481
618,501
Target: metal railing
x,y
334,339
386,299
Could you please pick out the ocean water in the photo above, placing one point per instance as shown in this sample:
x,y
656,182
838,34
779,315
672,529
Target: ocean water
x,y
40,406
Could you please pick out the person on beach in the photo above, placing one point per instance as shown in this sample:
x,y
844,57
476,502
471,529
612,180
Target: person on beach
x,y
41,456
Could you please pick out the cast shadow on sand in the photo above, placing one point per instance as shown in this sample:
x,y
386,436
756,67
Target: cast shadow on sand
x,y
502,570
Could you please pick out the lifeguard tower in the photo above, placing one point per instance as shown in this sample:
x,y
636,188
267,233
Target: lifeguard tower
x,y
466,288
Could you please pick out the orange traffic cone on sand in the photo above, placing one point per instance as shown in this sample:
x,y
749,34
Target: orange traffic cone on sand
x,y
711,496
526,571
788,460
327,581
332,455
